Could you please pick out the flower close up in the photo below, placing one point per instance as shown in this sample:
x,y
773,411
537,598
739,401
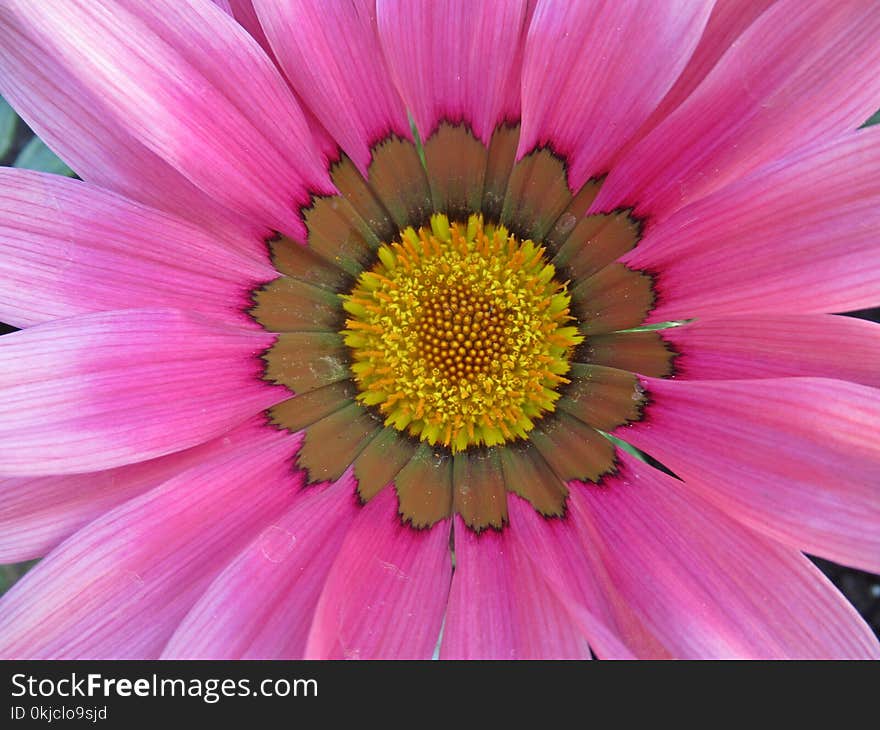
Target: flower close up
x,y
393,329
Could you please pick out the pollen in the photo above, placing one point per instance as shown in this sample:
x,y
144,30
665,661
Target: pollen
x,y
460,334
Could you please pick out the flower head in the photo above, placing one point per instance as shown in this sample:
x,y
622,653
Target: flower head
x,y
355,335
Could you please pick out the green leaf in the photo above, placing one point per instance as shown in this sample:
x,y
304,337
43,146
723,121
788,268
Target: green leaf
x,y
8,123
10,574
420,148
36,156
659,326
873,119
627,447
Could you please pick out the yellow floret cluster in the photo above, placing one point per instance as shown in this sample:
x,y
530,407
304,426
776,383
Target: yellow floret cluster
x,y
460,334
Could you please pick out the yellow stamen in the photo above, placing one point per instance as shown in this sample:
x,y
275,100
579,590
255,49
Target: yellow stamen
x,y
460,333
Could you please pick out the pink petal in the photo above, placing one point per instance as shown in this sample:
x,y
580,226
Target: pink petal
x,y
190,85
328,147
499,606
728,21
796,236
330,53
585,90
775,346
453,60
261,605
68,248
38,513
243,11
562,551
119,587
386,592
96,146
103,390
769,94
797,458
705,585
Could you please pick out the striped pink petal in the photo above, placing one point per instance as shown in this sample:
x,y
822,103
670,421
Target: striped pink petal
x,y
706,586
330,52
108,389
794,458
728,21
38,513
261,605
187,83
500,606
562,551
120,587
68,248
758,104
386,592
799,235
98,147
585,93
454,60
243,11
777,346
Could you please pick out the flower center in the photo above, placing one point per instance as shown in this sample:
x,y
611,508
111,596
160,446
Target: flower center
x,y
460,334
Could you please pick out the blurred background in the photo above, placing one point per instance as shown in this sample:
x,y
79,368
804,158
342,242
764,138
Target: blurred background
x,y
20,148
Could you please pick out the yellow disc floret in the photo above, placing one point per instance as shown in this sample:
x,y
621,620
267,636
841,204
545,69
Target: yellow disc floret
x,y
460,334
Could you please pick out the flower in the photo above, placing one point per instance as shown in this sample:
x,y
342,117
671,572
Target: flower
x,y
337,348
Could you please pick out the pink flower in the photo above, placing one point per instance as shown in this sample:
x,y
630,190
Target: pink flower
x,y
445,472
